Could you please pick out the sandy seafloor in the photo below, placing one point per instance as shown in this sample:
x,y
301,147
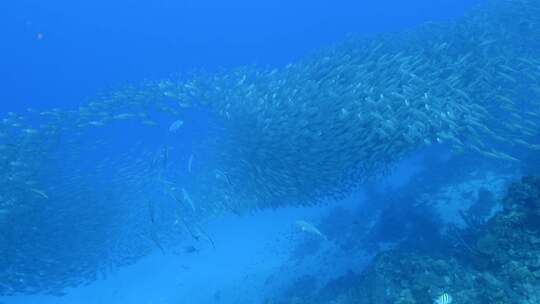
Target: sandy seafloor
x,y
234,272
250,263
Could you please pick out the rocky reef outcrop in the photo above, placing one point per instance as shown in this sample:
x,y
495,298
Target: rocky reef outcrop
x,y
497,262
502,265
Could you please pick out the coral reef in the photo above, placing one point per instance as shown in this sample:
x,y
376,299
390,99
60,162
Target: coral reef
x,y
502,265
503,268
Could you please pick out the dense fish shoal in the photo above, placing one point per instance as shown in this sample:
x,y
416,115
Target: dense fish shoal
x,y
296,135
348,113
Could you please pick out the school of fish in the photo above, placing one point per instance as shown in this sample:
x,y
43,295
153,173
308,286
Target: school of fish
x,y
310,131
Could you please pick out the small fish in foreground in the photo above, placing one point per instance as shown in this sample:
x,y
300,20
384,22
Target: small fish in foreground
x,y
310,228
175,126
443,299
188,199
40,193
190,163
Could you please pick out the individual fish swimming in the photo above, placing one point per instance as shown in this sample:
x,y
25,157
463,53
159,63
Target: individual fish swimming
x,y
310,228
188,199
163,156
153,233
151,212
190,163
223,176
175,126
40,193
444,298
197,232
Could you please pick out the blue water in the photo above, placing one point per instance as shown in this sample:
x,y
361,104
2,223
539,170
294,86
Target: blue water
x,y
61,53
87,47
250,263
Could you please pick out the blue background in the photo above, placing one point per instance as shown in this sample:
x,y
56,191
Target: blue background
x,y
88,46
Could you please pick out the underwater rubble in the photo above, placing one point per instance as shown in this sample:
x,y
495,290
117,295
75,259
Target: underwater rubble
x,y
503,265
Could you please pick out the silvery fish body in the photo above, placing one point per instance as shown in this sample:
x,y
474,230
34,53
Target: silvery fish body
x,y
443,299
175,126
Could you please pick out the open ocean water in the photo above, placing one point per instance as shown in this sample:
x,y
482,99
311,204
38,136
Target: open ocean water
x,y
270,152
